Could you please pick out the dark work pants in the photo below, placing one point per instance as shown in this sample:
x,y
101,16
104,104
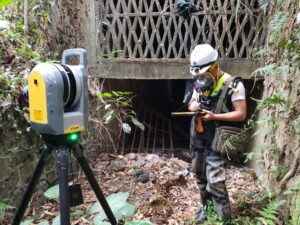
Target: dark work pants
x,y
209,168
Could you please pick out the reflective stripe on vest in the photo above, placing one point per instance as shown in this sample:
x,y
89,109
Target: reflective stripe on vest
x,y
220,82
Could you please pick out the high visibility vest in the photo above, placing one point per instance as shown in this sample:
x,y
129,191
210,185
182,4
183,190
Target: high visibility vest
x,y
220,84
199,126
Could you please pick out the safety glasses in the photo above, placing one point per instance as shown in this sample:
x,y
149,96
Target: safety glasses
x,y
194,70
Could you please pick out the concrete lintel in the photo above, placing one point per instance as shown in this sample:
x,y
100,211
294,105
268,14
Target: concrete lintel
x,y
169,69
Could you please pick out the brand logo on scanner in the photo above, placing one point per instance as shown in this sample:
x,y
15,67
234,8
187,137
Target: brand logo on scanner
x,y
73,128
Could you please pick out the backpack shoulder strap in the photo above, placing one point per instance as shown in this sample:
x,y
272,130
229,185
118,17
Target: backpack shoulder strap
x,y
223,93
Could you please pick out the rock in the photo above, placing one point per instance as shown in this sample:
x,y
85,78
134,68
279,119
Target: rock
x,y
141,176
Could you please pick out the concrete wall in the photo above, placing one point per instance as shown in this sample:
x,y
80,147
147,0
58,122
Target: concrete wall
x,y
78,24
164,69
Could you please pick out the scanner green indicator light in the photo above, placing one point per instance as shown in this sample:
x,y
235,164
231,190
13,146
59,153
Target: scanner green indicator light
x,y
74,137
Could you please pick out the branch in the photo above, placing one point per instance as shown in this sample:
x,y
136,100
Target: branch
x,y
25,26
107,131
292,171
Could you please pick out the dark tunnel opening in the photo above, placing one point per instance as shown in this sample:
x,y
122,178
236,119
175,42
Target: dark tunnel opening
x,y
155,101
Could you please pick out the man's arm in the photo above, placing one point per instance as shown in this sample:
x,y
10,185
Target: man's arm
x,y
238,114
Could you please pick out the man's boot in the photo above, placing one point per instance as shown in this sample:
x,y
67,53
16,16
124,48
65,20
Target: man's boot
x,y
202,214
223,212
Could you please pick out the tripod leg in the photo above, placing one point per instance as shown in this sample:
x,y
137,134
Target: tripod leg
x,y
62,154
45,152
93,182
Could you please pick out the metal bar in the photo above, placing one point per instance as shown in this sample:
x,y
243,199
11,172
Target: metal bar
x,y
133,140
141,142
149,131
62,166
45,152
94,184
123,143
154,138
171,135
203,13
163,133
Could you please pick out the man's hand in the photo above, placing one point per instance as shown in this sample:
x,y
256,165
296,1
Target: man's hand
x,y
194,106
208,115
238,114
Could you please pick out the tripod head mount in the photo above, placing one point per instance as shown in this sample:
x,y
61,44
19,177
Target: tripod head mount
x,y
61,140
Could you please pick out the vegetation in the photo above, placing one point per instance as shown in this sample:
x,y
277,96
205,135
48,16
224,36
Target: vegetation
x,y
114,107
25,42
117,202
4,207
279,108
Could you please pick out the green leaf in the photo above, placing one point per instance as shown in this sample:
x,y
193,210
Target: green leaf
x,y
77,214
119,211
99,218
288,192
137,123
4,3
128,93
118,205
265,120
276,24
105,94
94,209
124,104
249,156
127,210
28,221
56,220
142,222
44,222
268,215
266,70
5,207
33,54
116,200
52,193
115,93
283,43
102,223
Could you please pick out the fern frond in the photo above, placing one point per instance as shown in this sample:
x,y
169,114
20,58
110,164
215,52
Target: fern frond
x,y
263,4
271,101
266,70
5,207
269,214
276,24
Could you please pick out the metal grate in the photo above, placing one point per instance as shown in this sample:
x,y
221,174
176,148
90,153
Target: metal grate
x,y
152,29
161,134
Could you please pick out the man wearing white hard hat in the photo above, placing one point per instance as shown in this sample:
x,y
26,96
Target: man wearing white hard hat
x,y
208,165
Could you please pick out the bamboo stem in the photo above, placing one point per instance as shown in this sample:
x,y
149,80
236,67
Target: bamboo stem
x,y
25,26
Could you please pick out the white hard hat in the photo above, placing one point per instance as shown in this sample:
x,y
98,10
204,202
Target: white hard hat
x,y
202,57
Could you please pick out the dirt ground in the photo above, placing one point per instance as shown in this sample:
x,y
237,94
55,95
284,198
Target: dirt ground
x,y
163,189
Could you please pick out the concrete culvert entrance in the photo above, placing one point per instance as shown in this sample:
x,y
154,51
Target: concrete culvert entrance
x,y
154,102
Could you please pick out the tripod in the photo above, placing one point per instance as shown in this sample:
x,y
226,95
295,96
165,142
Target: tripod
x,y
63,149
